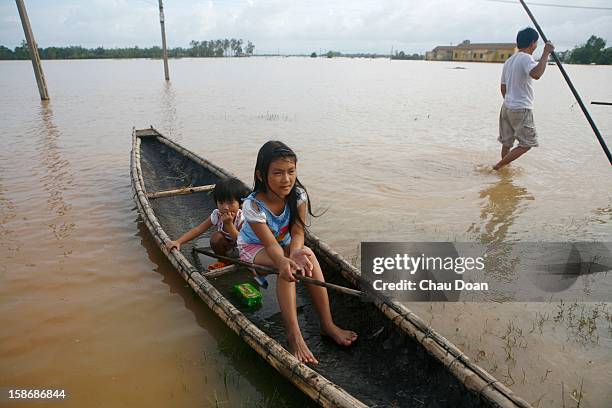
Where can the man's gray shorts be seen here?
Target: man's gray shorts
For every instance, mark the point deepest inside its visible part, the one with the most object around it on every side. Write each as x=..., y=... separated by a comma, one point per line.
x=517, y=124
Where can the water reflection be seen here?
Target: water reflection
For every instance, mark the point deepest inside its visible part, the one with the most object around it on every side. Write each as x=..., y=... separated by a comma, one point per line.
x=501, y=207
x=168, y=111
x=8, y=242
x=502, y=204
x=56, y=177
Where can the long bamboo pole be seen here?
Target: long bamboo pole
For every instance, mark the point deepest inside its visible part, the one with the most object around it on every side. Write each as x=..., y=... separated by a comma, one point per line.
x=163, y=33
x=569, y=83
x=274, y=271
x=180, y=191
x=29, y=34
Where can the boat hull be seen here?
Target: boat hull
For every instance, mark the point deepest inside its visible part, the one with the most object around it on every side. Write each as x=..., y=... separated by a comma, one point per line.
x=398, y=359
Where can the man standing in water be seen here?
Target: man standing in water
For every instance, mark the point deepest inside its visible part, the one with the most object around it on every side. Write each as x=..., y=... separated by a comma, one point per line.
x=516, y=116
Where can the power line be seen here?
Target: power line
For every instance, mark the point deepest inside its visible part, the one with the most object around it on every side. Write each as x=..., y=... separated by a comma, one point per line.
x=555, y=5
x=149, y=2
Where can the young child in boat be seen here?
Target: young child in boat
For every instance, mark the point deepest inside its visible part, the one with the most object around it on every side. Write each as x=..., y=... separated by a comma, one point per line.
x=227, y=218
x=273, y=234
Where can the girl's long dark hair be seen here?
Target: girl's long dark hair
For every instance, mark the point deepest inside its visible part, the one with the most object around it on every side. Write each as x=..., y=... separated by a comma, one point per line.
x=270, y=151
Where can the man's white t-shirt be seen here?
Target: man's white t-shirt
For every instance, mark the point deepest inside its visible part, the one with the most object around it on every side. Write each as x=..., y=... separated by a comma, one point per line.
x=519, y=84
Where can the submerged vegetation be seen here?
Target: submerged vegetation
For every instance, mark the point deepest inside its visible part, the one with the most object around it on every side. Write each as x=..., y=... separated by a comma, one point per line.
x=335, y=54
x=211, y=48
x=523, y=348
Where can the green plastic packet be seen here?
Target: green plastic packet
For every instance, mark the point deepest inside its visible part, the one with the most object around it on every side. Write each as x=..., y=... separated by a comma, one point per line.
x=248, y=294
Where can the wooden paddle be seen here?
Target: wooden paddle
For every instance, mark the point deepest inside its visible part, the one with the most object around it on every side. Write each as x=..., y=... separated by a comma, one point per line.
x=274, y=271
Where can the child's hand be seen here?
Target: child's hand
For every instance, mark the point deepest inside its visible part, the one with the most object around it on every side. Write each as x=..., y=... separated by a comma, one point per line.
x=286, y=267
x=303, y=258
x=226, y=216
x=173, y=244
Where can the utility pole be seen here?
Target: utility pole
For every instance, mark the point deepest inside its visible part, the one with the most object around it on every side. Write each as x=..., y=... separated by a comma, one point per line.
x=38, y=72
x=163, y=32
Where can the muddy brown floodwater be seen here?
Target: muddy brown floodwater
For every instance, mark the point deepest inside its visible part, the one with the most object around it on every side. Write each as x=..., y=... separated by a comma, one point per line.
x=391, y=149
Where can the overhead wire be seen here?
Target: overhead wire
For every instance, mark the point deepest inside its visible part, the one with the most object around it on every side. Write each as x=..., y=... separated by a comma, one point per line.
x=555, y=5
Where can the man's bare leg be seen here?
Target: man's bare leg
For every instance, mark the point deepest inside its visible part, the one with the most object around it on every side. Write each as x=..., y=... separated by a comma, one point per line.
x=511, y=156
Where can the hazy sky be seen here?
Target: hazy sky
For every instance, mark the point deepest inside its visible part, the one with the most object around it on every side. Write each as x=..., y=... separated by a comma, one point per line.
x=301, y=26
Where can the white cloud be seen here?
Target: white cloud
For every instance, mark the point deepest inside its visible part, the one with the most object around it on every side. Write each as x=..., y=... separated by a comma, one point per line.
x=299, y=25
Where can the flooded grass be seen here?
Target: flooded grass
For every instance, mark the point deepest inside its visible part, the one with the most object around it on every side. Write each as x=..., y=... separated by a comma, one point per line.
x=275, y=117
x=581, y=320
x=521, y=348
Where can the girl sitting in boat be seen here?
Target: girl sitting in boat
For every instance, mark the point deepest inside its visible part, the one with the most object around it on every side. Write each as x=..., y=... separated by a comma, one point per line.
x=227, y=217
x=273, y=235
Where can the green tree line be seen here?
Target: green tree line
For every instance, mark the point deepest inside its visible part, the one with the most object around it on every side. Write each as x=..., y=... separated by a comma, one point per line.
x=403, y=56
x=594, y=51
x=334, y=54
x=211, y=48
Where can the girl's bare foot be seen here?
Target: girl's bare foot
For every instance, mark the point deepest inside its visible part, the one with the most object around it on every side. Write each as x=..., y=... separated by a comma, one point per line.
x=340, y=336
x=298, y=347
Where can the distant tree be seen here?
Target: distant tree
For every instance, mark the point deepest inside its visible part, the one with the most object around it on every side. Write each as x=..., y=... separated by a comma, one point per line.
x=6, y=53
x=401, y=55
x=313, y=55
x=331, y=54
x=593, y=51
x=606, y=57
x=194, y=48
x=250, y=48
x=99, y=52
x=218, y=50
x=563, y=55
x=239, y=47
x=154, y=52
x=206, y=49
x=22, y=52
x=49, y=53
x=210, y=48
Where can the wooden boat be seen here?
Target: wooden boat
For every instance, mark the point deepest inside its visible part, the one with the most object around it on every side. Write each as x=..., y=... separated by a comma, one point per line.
x=397, y=361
